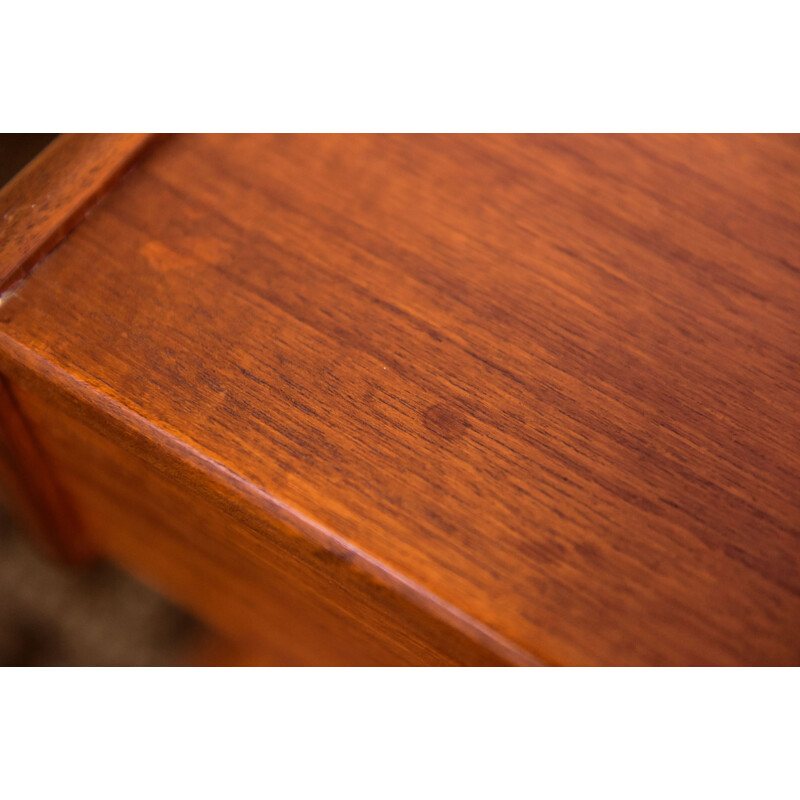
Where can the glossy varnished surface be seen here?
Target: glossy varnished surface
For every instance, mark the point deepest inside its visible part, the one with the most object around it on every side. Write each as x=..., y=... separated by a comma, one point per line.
x=549, y=383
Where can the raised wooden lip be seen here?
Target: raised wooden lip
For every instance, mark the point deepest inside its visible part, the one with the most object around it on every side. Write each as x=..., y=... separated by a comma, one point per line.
x=42, y=203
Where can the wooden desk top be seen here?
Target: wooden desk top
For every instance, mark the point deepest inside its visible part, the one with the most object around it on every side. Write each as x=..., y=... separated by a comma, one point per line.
x=545, y=386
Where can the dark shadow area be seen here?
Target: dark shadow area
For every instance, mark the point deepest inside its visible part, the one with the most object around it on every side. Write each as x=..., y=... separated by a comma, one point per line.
x=17, y=149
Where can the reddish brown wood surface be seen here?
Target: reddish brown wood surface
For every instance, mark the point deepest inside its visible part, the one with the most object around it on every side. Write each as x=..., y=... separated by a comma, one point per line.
x=540, y=392
x=34, y=487
x=44, y=201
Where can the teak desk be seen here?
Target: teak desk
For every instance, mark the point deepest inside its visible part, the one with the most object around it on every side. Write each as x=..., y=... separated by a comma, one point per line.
x=419, y=399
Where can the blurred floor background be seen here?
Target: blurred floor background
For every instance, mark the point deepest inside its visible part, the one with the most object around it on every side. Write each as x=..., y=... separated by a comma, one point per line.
x=53, y=615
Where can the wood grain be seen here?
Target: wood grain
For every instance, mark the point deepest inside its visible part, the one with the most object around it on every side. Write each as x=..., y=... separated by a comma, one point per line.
x=47, y=199
x=542, y=390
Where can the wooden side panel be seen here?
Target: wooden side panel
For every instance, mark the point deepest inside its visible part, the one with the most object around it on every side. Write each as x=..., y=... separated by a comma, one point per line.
x=243, y=577
x=32, y=487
